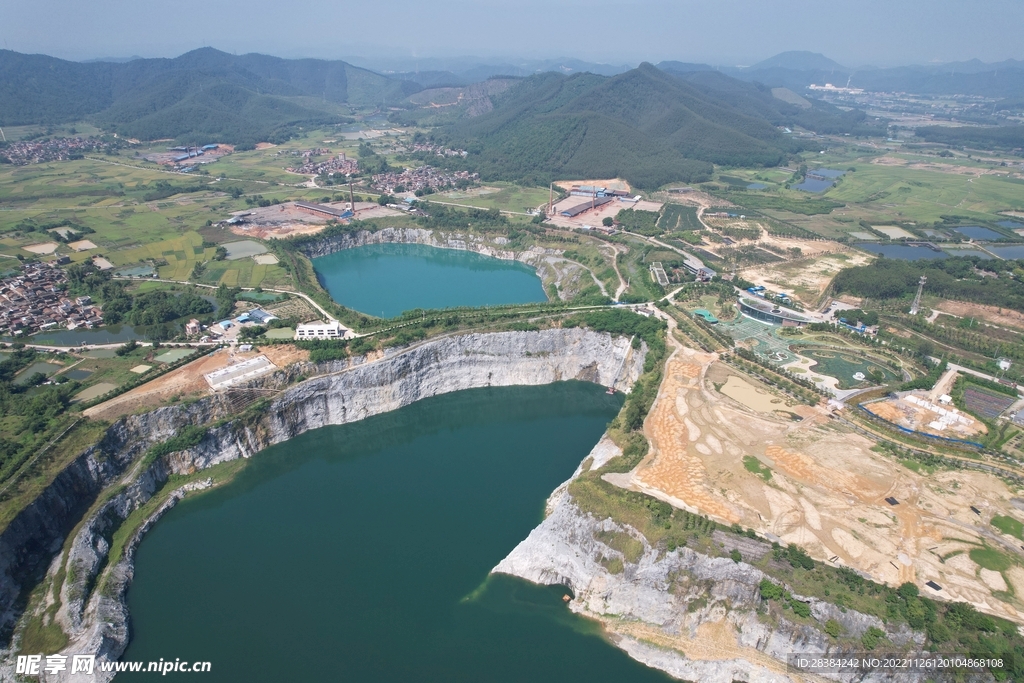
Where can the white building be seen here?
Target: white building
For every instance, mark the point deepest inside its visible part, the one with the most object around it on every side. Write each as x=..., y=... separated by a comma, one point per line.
x=319, y=330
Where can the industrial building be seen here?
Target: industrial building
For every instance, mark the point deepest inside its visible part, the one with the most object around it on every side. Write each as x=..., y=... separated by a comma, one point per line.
x=585, y=205
x=319, y=330
x=321, y=210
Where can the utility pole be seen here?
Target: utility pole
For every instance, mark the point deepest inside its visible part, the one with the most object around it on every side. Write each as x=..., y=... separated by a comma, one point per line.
x=916, y=306
x=351, y=199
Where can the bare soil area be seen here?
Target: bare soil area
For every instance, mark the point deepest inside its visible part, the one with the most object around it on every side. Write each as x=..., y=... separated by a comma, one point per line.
x=805, y=279
x=997, y=316
x=610, y=183
x=187, y=381
x=827, y=489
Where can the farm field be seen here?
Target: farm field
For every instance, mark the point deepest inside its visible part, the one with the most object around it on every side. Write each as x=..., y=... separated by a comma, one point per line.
x=502, y=196
x=890, y=187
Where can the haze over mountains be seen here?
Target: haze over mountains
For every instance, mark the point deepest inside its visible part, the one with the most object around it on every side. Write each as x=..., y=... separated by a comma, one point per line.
x=651, y=124
x=242, y=99
x=647, y=125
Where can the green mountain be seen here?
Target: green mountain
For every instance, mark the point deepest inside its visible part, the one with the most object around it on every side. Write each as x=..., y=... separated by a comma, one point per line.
x=644, y=125
x=760, y=101
x=201, y=95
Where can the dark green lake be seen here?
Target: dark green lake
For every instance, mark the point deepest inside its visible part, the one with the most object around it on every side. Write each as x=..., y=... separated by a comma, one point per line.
x=362, y=552
x=387, y=279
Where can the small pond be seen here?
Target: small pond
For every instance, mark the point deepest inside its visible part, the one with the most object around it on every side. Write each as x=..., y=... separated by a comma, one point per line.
x=901, y=251
x=976, y=232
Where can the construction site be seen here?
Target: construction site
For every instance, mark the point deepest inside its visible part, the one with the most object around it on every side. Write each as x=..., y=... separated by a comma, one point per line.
x=300, y=218
x=728, y=446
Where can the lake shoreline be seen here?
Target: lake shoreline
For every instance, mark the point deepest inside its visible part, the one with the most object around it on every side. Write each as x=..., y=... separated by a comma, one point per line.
x=565, y=275
x=92, y=608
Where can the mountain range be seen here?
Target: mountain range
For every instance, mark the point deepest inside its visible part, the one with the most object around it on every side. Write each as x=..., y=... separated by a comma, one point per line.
x=648, y=125
x=202, y=95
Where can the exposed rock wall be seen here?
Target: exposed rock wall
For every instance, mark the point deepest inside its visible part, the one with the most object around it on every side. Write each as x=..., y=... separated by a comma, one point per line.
x=657, y=605
x=568, y=276
x=348, y=391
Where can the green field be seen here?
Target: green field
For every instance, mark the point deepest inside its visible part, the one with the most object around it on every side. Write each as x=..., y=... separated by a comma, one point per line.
x=883, y=193
x=502, y=196
x=676, y=217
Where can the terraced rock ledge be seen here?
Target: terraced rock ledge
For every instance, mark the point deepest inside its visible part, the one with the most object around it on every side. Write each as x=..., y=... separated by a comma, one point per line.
x=123, y=476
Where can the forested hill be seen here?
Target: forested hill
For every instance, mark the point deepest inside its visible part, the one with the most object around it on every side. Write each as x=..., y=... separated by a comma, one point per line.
x=206, y=94
x=761, y=101
x=644, y=125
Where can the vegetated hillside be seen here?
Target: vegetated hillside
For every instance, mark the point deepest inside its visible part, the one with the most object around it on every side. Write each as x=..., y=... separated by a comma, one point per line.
x=953, y=278
x=1003, y=137
x=643, y=125
x=797, y=70
x=205, y=94
x=800, y=60
x=758, y=101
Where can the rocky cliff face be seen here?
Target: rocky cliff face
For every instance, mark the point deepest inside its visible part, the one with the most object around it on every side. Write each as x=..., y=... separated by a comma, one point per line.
x=568, y=276
x=92, y=609
x=698, y=618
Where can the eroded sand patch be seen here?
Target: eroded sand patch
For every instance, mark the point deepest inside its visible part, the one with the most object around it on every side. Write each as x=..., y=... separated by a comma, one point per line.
x=828, y=490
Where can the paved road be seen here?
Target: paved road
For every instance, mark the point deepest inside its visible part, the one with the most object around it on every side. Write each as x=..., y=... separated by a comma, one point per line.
x=308, y=299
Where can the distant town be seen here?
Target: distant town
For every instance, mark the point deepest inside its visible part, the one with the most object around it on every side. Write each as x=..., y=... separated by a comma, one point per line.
x=27, y=152
x=422, y=178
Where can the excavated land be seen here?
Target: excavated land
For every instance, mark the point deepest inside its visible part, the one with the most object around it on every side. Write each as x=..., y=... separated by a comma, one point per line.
x=807, y=278
x=188, y=381
x=826, y=490
x=287, y=220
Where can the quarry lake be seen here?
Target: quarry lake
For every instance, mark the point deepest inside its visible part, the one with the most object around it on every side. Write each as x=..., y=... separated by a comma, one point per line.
x=387, y=279
x=362, y=552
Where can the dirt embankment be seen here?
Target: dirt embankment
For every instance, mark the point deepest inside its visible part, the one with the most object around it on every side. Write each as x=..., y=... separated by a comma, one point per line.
x=188, y=381
x=820, y=486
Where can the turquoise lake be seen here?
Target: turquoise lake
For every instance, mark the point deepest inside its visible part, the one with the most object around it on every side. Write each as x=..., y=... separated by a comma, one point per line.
x=361, y=552
x=387, y=279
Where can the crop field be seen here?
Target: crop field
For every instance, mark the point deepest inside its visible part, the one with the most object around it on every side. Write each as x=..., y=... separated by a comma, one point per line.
x=924, y=195
x=883, y=189
x=985, y=403
x=182, y=253
x=503, y=196
x=676, y=217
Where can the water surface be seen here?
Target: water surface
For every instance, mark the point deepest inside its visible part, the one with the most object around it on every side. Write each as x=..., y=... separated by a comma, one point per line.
x=108, y=334
x=1008, y=252
x=901, y=251
x=976, y=232
x=357, y=553
x=387, y=279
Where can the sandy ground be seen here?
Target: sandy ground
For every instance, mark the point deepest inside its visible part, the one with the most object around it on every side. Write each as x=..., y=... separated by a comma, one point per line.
x=284, y=220
x=186, y=381
x=1004, y=317
x=806, y=279
x=828, y=488
x=911, y=416
x=41, y=248
x=930, y=166
x=592, y=217
x=611, y=184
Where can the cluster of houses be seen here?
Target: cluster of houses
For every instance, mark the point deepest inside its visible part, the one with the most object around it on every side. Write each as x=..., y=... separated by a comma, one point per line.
x=422, y=178
x=438, y=150
x=34, y=300
x=339, y=165
x=55, y=149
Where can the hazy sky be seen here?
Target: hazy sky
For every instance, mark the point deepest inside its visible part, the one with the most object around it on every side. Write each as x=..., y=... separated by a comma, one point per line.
x=727, y=32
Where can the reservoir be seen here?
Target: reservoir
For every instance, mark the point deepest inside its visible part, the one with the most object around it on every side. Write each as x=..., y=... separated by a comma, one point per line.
x=901, y=251
x=387, y=279
x=362, y=552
